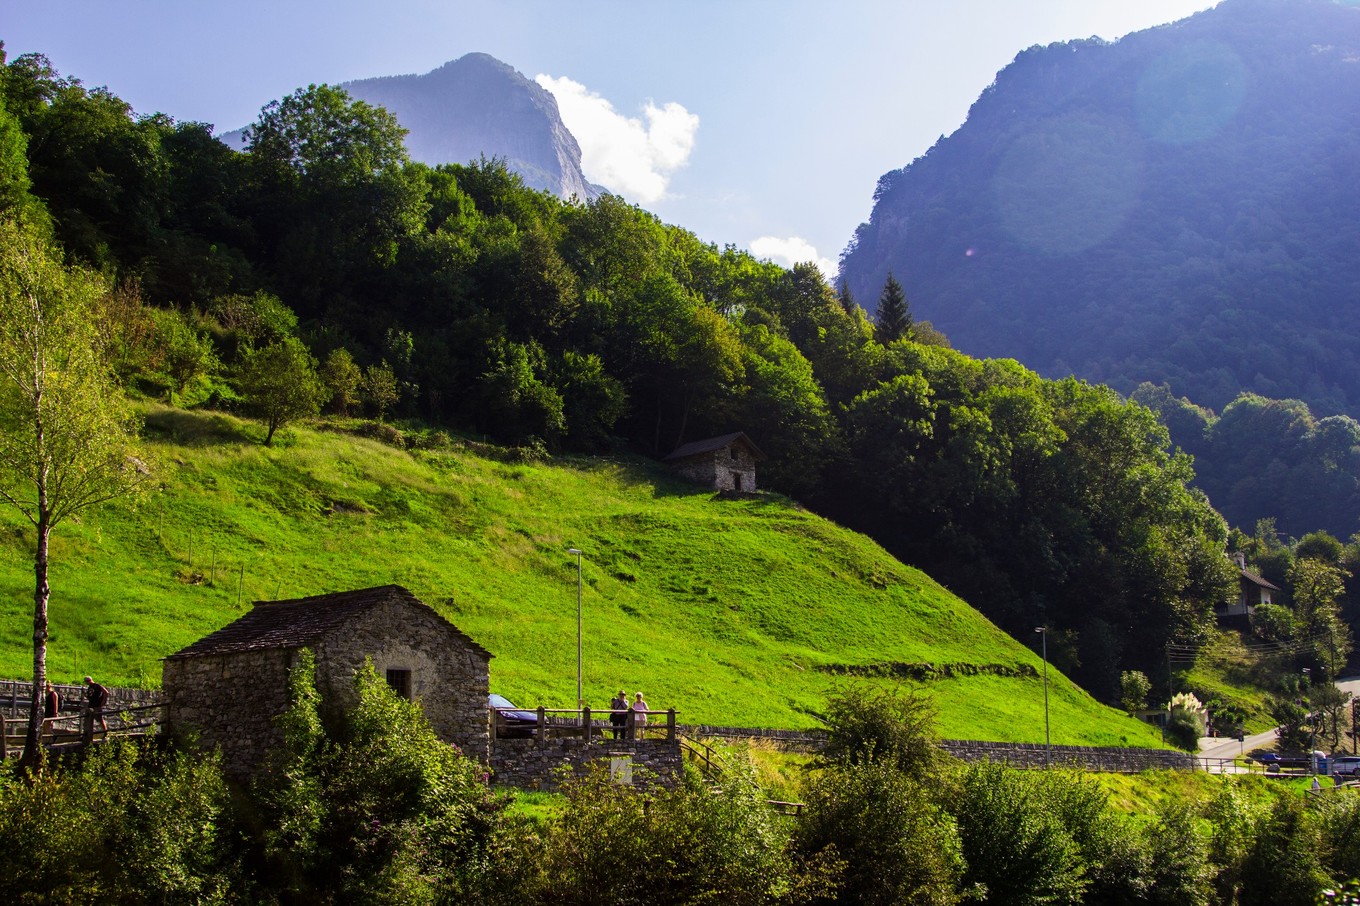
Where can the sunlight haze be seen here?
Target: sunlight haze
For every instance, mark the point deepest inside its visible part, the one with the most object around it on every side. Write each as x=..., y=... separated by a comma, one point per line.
x=765, y=125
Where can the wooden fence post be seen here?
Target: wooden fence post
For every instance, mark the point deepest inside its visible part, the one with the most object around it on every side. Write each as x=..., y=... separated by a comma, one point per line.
x=670, y=725
x=542, y=724
x=585, y=722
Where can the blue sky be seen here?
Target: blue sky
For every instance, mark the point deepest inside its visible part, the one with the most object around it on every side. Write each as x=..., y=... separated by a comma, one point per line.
x=749, y=122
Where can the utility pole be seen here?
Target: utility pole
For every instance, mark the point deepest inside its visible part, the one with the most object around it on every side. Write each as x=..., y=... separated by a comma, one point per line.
x=1048, y=741
x=580, y=697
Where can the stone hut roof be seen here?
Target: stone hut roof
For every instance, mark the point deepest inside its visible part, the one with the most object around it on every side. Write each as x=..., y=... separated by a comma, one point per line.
x=700, y=447
x=1257, y=580
x=304, y=621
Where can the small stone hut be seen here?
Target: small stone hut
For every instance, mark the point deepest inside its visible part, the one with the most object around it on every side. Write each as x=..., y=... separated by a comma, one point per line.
x=229, y=687
x=726, y=463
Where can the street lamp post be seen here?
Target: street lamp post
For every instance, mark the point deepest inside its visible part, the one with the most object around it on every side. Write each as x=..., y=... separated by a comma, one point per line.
x=1048, y=742
x=580, y=698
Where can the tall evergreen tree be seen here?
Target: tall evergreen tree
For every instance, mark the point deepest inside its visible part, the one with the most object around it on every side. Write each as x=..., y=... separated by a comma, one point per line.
x=846, y=298
x=893, y=320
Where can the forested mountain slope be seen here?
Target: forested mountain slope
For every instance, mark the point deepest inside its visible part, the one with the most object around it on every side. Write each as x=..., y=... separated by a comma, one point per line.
x=1179, y=206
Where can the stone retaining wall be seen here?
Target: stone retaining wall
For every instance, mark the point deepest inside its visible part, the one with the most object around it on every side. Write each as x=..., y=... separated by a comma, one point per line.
x=1088, y=758
x=1015, y=754
x=788, y=740
x=529, y=764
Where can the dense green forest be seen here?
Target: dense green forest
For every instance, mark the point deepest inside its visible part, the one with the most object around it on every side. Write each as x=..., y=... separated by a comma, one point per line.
x=1269, y=459
x=321, y=267
x=1177, y=207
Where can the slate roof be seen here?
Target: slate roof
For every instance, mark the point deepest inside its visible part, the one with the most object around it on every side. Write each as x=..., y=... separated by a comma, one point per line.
x=714, y=443
x=304, y=621
x=1257, y=580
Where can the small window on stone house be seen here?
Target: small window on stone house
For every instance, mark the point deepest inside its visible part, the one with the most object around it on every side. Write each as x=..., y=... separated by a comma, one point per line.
x=400, y=681
x=735, y=454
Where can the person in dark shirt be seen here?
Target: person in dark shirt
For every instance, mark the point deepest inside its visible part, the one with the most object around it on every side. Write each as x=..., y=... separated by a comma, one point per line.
x=96, y=697
x=618, y=712
x=51, y=708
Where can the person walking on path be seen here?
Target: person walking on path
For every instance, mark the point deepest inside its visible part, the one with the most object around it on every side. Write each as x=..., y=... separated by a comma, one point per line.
x=96, y=697
x=639, y=714
x=618, y=713
x=51, y=707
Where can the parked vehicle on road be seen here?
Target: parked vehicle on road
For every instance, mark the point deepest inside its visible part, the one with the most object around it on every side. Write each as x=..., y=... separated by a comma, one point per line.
x=511, y=721
x=1347, y=765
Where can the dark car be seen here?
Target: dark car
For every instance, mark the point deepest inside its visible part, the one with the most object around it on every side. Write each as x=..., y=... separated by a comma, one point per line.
x=512, y=722
x=1271, y=760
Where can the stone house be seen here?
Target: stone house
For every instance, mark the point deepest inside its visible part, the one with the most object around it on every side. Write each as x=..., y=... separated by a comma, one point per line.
x=1252, y=590
x=228, y=687
x=726, y=463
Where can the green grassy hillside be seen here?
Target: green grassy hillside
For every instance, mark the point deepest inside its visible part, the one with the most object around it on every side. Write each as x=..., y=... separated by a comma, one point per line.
x=724, y=609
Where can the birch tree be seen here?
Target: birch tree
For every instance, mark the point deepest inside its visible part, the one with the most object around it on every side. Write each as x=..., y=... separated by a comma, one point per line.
x=66, y=430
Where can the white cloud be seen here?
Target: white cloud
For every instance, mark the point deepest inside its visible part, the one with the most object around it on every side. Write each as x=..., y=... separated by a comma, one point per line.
x=791, y=251
x=624, y=154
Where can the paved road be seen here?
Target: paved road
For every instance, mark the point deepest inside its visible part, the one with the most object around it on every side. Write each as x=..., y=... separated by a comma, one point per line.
x=1231, y=748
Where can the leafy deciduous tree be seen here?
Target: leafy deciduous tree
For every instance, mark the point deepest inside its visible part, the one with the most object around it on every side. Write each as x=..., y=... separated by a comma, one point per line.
x=280, y=384
x=66, y=431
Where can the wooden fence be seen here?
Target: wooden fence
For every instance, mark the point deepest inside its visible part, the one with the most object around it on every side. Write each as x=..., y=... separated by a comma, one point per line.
x=559, y=723
x=76, y=730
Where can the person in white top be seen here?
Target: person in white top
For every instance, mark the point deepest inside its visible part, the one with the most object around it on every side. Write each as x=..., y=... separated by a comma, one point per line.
x=639, y=712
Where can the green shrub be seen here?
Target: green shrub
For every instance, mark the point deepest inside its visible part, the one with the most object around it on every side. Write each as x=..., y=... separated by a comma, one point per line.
x=614, y=844
x=893, y=842
x=1111, y=850
x=1016, y=847
x=375, y=808
x=875, y=723
x=1339, y=826
x=127, y=824
x=1184, y=729
x=1178, y=869
x=1134, y=687
x=1282, y=866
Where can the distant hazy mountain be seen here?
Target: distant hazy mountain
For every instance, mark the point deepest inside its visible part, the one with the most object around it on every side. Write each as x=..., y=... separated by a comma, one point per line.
x=1180, y=206
x=474, y=106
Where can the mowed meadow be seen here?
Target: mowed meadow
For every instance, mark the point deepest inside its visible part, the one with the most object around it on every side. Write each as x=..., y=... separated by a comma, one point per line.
x=734, y=611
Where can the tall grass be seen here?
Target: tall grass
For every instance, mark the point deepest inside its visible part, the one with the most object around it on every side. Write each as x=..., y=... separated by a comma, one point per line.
x=724, y=609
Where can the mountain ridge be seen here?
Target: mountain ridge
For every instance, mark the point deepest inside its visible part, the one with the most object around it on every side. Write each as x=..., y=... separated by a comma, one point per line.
x=478, y=106
x=1174, y=207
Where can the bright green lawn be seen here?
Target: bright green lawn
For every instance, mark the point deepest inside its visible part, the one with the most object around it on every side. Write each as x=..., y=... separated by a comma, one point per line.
x=720, y=608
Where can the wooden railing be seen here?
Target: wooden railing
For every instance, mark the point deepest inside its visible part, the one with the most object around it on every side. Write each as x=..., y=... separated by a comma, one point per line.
x=713, y=765
x=68, y=731
x=558, y=723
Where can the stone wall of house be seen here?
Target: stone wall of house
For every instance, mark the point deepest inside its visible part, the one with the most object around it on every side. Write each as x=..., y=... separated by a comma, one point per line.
x=449, y=678
x=229, y=702
x=721, y=468
x=529, y=764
